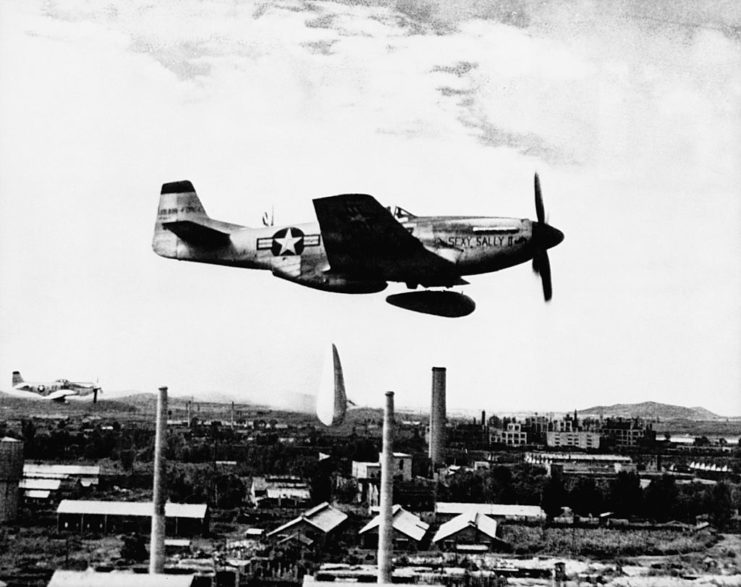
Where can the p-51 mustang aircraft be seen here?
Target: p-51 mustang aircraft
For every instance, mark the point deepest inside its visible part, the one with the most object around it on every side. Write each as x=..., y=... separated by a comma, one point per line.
x=358, y=246
x=59, y=390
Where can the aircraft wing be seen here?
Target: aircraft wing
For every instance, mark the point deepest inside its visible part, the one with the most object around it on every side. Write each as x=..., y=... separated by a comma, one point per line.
x=60, y=395
x=362, y=237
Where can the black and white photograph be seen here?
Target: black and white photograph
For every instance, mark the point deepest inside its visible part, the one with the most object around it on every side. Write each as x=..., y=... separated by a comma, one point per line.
x=442, y=292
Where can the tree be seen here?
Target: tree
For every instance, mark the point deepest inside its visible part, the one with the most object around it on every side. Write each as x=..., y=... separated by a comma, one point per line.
x=466, y=486
x=625, y=494
x=321, y=483
x=720, y=505
x=554, y=496
x=661, y=499
x=127, y=457
x=134, y=548
x=498, y=485
x=585, y=498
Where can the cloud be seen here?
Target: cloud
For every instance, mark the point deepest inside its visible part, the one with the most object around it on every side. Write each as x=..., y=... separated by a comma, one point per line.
x=447, y=107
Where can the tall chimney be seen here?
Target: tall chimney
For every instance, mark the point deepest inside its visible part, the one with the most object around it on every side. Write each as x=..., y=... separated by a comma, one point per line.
x=232, y=415
x=437, y=416
x=483, y=417
x=157, y=544
x=385, y=527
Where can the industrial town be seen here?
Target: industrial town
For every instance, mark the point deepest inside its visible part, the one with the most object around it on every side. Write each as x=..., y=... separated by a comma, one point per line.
x=225, y=495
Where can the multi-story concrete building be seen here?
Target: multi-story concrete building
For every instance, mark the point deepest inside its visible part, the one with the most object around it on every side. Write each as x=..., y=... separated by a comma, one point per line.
x=512, y=435
x=627, y=432
x=584, y=440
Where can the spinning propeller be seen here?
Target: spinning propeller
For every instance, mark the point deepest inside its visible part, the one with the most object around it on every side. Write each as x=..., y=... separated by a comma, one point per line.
x=544, y=237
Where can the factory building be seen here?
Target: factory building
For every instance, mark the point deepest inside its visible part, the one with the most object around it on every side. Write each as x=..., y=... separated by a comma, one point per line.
x=469, y=532
x=314, y=525
x=409, y=531
x=40, y=491
x=363, y=470
x=280, y=491
x=70, y=475
x=446, y=510
x=62, y=578
x=11, y=471
x=107, y=517
x=46, y=482
x=581, y=464
x=402, y=468
x=368, y=476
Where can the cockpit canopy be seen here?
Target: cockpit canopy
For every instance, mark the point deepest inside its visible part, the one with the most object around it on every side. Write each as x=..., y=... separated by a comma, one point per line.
x=399, y=213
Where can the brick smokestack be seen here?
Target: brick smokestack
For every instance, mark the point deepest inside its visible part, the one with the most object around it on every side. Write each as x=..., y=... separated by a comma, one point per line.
x=437, y=417
x=385, y=527
x=157, y=544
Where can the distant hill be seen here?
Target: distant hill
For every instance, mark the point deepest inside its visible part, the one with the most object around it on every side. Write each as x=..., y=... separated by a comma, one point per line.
x=652, y=410
x=214, y=401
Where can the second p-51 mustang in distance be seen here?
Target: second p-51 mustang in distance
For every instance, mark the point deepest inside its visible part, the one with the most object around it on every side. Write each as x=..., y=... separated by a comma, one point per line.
x=358, y=246
x=59, y=390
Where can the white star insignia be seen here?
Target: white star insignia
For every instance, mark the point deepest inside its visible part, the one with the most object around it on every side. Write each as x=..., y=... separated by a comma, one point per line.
x=288, y=243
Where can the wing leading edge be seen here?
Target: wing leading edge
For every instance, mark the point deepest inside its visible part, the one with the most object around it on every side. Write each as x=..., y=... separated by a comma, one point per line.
x=362, y=237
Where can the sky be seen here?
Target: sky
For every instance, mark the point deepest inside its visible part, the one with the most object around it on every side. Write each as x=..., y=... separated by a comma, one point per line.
x=629, y=111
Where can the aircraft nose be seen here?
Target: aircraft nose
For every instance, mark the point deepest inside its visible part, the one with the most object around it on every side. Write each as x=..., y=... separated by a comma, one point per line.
x=547, y=236
x=554, y=236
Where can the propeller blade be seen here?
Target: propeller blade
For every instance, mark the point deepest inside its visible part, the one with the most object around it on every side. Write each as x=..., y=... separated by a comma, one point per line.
x=539, y=208
x=544, y=268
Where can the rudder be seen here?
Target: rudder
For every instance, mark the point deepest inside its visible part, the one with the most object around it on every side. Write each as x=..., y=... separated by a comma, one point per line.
x=178, y=203
x=17, y=379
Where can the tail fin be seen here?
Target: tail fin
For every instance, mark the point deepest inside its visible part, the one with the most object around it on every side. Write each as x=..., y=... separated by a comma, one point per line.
x=181, y=217
x=17, y=379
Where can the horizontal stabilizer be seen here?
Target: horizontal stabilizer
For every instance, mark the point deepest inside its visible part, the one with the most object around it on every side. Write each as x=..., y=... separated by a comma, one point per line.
x=198, y=234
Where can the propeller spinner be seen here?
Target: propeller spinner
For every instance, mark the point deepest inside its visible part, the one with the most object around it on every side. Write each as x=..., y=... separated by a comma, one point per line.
x=544, y=237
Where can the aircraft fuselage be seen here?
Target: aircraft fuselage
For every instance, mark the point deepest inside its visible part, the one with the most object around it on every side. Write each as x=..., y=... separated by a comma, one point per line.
x=356, y=245
x=474, y=245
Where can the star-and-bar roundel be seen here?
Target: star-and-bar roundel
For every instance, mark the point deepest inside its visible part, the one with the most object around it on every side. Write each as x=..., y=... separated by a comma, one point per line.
x=288, y=241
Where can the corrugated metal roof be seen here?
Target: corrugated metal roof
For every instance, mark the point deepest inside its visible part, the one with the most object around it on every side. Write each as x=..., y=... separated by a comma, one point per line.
x=290, y=492
x=490, y=509
x=117, y=579
x=131, y=508
x=323, y=517
x=481, y=522
x=45, y=484
x=45, y=469
x=403, y=521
